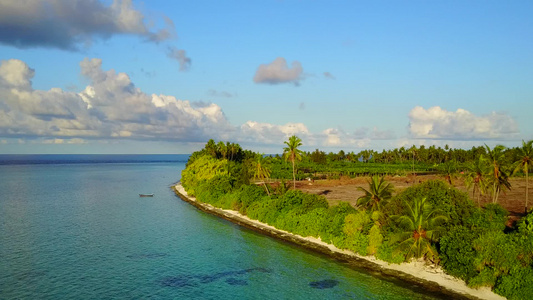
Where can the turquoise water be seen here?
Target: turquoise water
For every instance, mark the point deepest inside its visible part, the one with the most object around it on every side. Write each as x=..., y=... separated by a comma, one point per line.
x=80, y=231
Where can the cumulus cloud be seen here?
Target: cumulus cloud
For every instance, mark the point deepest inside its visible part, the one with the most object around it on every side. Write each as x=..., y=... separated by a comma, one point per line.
x=69, y=24
x=328, y=75
x=279, y=72
x=337, y=137
x=266, y=133
x=438, y=123
x=110, y=107
x=181, y=56
x=382, y=134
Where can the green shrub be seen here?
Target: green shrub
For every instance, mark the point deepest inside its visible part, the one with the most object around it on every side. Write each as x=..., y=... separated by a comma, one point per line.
x=497, y=254
x=525, y=225
x=453, y=203
x=457, y=253
x=210, y=191
x=258, y=209
x=388, y=253
x=202, y=168
x=357, y=243
x=247, y=195
x=490, y=218
x=355, y=222
x=333, y=223
x=375, y=239
x=518, y=284
x=310, y=223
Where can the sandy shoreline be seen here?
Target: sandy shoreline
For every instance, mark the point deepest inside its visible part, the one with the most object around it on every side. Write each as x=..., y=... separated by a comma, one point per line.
x=417, y=272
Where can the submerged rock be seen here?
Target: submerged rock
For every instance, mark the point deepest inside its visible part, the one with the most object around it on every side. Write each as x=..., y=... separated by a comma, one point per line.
x=234, y=281
x=323, y=284
x=189, y=280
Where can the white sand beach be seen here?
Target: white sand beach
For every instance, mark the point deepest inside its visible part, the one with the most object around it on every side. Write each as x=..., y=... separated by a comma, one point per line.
x=416, y=269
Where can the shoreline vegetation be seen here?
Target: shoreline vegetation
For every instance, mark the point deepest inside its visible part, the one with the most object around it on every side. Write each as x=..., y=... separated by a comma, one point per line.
x=415, y=272
x=463, y=241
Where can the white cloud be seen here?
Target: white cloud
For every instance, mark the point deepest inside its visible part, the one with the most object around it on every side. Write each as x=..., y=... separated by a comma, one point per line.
x=16, y=73
x=76, y=141
x=110, y=107
x=437, y=123
x=53, y=141
x=69, y=24
x=338, y=138
x=266, y=133
x=279, y=72
x=382, y=134
x=334, y=137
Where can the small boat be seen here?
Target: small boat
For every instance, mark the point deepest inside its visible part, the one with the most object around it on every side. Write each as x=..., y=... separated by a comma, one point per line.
x=146, y=195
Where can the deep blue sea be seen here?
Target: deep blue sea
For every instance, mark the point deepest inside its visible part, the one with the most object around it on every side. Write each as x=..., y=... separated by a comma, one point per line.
x=74, y=227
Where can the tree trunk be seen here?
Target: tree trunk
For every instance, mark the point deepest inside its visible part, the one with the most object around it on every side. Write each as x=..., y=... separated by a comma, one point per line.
x=527, y=186
x=293, y=176
x=266, y=188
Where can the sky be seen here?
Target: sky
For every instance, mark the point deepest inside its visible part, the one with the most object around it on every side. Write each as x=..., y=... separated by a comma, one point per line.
x=134, y=77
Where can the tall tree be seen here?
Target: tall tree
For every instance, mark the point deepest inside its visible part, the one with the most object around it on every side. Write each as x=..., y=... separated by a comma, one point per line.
x=421, y=225
x=499, y=176
x=524, y=163
x=378, y=192
x=211, y=148
x=261, y=169
x=222, y=149
x=292, y=153
x=475, y=177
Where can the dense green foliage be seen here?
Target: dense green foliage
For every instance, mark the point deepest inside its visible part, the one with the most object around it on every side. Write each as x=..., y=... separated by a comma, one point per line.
x=431, y=220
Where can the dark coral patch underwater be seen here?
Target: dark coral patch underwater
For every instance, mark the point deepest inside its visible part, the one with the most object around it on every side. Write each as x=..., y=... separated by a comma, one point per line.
x=234, y=281
x=323, y=284
x=189, y=280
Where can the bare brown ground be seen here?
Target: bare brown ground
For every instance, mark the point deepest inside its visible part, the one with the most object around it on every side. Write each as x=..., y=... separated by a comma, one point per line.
x=345, y=189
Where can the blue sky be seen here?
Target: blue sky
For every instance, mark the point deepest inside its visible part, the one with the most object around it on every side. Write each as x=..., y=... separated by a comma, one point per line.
x=166, y=76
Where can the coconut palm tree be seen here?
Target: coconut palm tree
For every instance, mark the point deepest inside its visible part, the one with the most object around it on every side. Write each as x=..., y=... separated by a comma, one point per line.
x=524, y=163
x=475, y=177
x=378, y=192
x=211, y=148
x=222, y=149
x=421, y=225
x=499, y=177
x=292, y=153
x=261, y=169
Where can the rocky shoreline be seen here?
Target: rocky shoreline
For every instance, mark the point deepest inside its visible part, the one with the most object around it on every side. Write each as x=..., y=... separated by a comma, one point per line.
x=417, y=273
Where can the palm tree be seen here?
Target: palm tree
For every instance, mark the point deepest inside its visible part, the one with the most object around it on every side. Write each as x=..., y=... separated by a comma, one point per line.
x=378, y=192
x=222, y=149
x=211, y=148
x=524, y=163
x=450, y=170
x=261, y=170
x=499, y=177
x=292, y=153
x=475, y=176
x=421, y=225
x=413, y=152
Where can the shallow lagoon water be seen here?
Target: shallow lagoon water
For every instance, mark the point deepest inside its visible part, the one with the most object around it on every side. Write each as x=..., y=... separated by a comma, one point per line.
x=80, y=230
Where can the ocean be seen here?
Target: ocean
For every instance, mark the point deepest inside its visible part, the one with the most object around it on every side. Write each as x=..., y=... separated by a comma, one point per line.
x=74, y=227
